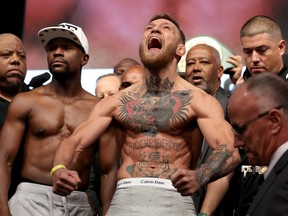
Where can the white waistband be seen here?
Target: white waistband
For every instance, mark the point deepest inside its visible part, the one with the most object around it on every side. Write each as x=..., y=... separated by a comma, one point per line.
x=155, y=182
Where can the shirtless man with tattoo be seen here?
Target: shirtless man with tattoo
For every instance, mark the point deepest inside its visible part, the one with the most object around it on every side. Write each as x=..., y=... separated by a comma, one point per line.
x=162, y=120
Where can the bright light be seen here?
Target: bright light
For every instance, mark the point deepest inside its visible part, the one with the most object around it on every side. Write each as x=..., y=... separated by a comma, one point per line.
x=88, y=79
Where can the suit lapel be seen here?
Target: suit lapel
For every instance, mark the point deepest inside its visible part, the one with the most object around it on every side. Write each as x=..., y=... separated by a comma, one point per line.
x=268, y=182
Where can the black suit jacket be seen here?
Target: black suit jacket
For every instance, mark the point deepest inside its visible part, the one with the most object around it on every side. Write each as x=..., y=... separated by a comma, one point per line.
x=272, y=196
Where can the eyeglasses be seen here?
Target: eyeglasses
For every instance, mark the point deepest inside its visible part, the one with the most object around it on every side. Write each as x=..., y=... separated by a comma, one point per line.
x=240, y=129
x=125, y=85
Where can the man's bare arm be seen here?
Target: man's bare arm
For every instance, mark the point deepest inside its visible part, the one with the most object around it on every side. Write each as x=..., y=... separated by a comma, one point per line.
x=10, y=139
x=218, y=134
x=215, y=193
x=84, y=136
x=109, y=164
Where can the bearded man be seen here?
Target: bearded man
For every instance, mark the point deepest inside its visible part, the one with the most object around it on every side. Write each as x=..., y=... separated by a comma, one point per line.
x=163, y=119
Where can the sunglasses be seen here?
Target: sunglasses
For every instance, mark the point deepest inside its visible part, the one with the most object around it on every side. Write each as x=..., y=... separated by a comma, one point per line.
x=240, y=129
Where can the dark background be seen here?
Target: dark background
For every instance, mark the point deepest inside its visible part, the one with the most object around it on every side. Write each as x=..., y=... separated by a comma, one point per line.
x=12, y=17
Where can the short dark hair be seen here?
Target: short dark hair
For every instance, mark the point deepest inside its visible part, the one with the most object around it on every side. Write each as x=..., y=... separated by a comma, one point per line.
x=168, y=16
x=260, y=24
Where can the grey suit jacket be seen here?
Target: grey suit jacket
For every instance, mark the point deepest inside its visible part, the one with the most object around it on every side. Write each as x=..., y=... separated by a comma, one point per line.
x=272, y=196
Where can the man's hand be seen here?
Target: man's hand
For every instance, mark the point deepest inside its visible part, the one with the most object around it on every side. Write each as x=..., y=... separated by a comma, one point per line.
x=65, y=181
x=235, y=73
x=185, y=182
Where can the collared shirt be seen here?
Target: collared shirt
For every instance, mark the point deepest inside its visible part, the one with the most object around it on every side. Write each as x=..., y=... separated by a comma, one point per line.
x=275, y=157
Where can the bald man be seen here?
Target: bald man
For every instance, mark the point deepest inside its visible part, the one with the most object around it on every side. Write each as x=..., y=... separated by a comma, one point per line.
x=132, y=75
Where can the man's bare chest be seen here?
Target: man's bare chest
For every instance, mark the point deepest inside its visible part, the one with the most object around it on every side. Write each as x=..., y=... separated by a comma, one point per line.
x=156, y=111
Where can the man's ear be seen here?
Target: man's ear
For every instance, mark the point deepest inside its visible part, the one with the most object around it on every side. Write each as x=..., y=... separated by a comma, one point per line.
x=181, y=50
x=220, y=71
x=85, y=59
x=275, y=118
x=282, y=46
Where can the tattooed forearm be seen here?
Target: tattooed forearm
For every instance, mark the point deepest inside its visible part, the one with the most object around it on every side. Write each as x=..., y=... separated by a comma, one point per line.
x=215, y=166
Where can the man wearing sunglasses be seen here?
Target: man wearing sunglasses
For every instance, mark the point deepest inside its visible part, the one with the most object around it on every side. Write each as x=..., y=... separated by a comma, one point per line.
x=260, y=128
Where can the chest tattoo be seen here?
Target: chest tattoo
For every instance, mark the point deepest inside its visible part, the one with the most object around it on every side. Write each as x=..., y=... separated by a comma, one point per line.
x=155, y=110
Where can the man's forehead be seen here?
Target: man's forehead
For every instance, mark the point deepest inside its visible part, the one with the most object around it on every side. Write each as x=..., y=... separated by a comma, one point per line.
x=162, y=20
x=257, y=39
x=241, y=95
x=62, y=41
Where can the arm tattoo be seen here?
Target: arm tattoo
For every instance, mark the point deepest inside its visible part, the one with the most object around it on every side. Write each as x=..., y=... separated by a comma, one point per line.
x=215, y=165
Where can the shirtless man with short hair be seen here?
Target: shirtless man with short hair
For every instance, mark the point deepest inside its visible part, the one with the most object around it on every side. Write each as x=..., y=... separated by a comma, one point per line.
x=39, y=120
x=162, y=118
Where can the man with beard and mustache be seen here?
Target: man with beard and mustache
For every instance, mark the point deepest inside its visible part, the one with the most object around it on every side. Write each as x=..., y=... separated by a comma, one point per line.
x=162, y=119
x=43, y=117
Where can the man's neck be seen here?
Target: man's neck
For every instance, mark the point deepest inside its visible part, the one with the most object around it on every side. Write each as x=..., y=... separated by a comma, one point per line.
x=155, y=83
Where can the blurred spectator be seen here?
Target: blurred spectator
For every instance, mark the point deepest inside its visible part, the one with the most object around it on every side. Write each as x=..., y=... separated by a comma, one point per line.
x=106, y=85
x=123, y=65
x=132, y=75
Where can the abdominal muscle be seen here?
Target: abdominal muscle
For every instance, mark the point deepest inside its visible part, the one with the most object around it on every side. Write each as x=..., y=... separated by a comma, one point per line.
x=157, y=157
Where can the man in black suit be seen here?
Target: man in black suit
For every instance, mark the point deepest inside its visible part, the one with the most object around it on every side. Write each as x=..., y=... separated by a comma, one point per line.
x=260, y=128
x=204, y=70
x=263, y=51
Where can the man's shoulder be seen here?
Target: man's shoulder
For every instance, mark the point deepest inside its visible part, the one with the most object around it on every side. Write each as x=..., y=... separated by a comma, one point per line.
x=87, y=96
x=223, y=92
x=284, y=73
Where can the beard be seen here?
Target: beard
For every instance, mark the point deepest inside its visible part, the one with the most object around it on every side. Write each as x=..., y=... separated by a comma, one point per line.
x=13, y=82
x=158, y=60
x=13, y=87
